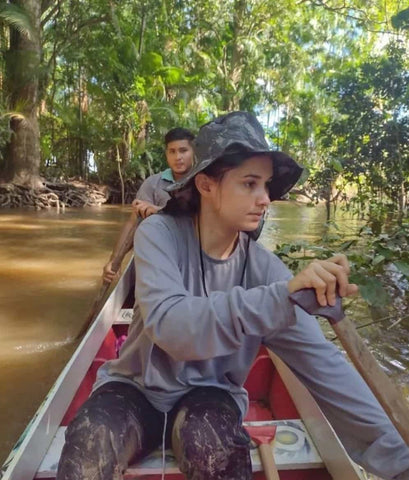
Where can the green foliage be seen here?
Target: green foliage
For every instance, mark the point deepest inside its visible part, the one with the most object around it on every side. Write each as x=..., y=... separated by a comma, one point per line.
x=4, y=129
x=370, y=132
x=403, y=267
x=377, y=261
x=12, y=17
x=16, y=17
x=401, y=20
x=117, y=75
x=371, y=289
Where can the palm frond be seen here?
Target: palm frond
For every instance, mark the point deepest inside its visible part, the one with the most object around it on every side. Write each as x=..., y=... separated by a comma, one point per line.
x=16, y=17
x=15, y=116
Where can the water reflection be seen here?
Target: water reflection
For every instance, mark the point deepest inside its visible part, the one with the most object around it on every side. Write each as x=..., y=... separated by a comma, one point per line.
x=290, y=222
x=50, y=268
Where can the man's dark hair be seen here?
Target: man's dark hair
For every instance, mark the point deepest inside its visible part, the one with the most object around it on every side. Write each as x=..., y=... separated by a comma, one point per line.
x=179, y=133
x=188, y=202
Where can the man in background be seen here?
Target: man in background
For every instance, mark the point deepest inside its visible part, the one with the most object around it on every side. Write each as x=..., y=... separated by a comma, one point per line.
x=151, y=196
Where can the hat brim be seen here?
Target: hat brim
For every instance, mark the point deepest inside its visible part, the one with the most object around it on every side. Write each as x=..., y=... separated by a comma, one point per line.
x=286, y=173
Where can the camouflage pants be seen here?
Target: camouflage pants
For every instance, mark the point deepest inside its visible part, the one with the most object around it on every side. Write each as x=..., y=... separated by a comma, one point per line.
x=117, y=426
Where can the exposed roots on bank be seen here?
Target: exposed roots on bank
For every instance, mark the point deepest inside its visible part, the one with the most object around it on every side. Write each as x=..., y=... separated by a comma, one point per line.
x=52, y=195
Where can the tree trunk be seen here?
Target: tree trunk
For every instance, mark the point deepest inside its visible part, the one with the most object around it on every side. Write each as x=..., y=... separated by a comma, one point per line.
x=234, y=68
x=22, y=61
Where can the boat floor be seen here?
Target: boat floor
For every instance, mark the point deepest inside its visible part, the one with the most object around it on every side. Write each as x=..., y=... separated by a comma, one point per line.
x=294, y=451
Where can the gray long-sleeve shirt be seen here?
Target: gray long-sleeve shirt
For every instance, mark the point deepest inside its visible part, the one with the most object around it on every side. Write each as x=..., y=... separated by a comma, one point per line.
x=153, y=189
x=180, y=339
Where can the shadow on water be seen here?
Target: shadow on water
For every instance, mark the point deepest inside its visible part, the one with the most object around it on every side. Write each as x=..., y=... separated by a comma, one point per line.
x=50, y=268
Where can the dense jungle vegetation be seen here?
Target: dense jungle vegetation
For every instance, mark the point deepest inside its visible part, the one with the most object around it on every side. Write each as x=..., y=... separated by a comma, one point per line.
x=88, y=89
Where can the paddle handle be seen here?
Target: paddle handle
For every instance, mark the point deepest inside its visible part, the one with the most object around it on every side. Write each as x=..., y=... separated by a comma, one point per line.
x=268, y=462
x=381, y=385
x=120, y=252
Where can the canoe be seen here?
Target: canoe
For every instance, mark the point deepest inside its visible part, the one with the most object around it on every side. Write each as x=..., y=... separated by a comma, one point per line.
x=305, y=445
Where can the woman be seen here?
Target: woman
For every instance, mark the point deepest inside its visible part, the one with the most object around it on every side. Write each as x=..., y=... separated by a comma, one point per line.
x=207, y=297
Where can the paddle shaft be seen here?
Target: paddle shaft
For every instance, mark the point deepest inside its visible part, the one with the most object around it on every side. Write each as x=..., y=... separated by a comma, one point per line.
x=263, y=436
x=383, y=388
x=122, y=249
x=381, y=385
x=267, y=460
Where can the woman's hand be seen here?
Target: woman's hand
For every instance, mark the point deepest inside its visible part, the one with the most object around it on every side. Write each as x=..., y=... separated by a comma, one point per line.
x=144, y=209
x=327, y=277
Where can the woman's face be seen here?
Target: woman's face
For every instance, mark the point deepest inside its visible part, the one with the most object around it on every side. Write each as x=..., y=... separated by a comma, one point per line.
x=241, y=198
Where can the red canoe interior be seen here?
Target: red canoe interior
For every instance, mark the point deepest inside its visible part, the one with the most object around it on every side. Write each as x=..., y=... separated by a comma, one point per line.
x=269, y=399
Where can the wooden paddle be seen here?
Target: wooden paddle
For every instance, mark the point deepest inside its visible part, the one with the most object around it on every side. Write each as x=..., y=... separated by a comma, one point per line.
x=381, y=385
x=126, y=242
x=263, y=436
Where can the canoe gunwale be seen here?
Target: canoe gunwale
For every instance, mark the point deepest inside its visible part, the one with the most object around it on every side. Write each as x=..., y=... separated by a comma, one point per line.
x=331, y=450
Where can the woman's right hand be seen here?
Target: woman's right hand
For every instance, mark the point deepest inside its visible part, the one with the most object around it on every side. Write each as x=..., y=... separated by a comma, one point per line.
x=327, y=277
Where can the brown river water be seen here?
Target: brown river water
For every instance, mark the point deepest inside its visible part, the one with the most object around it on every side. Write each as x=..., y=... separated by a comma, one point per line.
x=50, y=267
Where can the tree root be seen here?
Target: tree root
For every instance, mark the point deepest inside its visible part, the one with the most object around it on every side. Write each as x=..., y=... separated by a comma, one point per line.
x=52, y=195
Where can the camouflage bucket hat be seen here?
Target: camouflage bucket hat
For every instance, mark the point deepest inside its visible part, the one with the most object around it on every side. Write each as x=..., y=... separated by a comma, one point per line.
x=239, y=133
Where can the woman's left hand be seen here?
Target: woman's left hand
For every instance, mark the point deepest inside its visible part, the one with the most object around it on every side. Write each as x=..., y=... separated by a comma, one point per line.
x=327, y=277
x=144, y=209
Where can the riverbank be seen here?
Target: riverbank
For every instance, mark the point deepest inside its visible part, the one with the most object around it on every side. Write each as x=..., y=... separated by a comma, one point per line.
x=76, y=193
x=53, y=195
